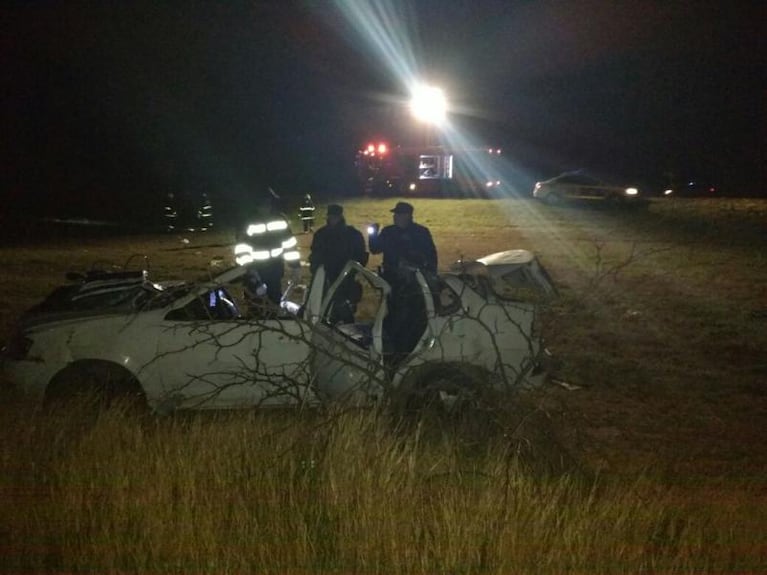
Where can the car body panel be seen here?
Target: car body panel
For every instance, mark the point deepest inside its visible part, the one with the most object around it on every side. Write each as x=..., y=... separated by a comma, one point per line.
x=231, y=364
x=581, y=186
x=197, y=351
x=349, y=357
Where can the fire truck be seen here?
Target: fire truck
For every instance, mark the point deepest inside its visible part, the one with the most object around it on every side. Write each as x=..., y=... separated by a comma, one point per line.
x=429, y=170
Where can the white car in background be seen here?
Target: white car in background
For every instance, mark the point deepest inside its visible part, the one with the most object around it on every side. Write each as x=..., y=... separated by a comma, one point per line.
x=579, y=185
x=201, y=346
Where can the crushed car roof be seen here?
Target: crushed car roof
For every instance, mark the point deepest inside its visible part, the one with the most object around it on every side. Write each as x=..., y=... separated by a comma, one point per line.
x=500, y=266
x=497, y=264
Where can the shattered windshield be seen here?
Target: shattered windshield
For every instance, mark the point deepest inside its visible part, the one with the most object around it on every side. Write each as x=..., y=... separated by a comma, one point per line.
x=162, y=298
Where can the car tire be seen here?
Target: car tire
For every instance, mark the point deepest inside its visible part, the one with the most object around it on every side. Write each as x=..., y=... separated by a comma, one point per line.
x=96, y=385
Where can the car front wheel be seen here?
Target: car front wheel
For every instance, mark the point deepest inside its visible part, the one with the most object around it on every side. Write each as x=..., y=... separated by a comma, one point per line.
x=445, y=392
x=95, y=385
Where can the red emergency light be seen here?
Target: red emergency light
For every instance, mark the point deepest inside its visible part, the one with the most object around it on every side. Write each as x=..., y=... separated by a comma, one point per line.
x=373, y=149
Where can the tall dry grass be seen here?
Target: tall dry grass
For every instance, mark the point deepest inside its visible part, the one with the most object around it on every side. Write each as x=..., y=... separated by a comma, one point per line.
x=350, y=492
x=336, y=492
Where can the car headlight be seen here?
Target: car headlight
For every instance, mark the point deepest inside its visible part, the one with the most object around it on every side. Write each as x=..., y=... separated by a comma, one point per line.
x=632, y=191
x=668, y=192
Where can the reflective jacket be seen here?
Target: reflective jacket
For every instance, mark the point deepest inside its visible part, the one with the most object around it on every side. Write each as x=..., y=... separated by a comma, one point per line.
x=266, y=239
x=306, y=211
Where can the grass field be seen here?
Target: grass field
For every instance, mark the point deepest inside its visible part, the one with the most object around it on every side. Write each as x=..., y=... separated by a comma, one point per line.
x=652, y=461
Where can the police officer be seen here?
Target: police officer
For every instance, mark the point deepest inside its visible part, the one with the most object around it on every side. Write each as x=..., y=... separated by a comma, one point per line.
x=333, y=245
x=404, y=243
x=336, y=243
x=406, y=246
x=265, y=245
x=306, y=213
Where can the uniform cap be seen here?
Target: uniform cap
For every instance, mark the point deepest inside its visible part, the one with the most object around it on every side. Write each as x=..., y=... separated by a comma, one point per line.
x=402, y=208
x=335, y=210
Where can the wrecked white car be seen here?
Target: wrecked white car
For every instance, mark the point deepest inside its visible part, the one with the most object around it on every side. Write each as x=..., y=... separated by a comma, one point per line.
x=201, y=346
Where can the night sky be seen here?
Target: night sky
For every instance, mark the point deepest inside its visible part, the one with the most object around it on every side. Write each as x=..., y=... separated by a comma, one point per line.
x=108, y=106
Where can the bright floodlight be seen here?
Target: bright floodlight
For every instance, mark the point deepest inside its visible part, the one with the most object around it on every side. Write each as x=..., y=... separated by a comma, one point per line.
x=428, y=104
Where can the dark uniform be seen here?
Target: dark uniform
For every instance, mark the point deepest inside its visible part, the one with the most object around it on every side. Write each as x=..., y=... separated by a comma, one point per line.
x=406, y=246
x=265, y=244
x=335, y=244
x=332, y=246
x=306, y=213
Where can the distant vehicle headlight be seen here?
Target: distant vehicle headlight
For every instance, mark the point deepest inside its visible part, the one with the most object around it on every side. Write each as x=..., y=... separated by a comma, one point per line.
x=631, y=191
x=668, y=192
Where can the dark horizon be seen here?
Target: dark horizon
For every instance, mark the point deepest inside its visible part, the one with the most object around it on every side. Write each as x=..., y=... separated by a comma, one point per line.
x=107, y=108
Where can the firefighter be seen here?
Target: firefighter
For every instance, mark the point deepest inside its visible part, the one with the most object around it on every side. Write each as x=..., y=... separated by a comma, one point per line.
x=306, y=213
x=333, y=245
x=265, y=244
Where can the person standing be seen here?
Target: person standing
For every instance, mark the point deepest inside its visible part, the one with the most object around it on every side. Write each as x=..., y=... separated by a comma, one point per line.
x=336, y=243
x=265, y=244
x=306, y=213
x=406, y=246
x=404, y=243
x=333, y=245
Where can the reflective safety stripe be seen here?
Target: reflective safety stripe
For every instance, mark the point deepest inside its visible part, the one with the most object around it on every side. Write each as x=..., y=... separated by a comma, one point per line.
x=242, y=248
x=243, y=259
x=255, y=229
x=275, y=252
x=292, y=256
x=243, y=254
x=277, y=225
x=261, y=255
x=289, y=243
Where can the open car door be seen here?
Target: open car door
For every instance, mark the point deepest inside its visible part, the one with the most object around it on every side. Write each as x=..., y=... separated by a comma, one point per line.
x=347, y=334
